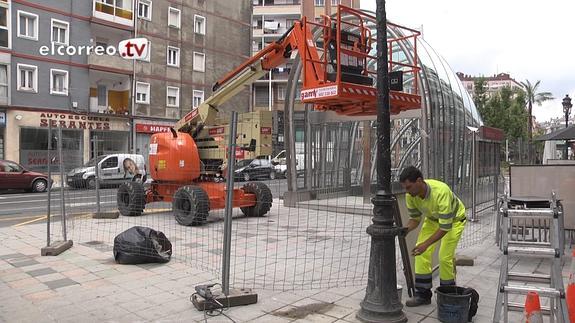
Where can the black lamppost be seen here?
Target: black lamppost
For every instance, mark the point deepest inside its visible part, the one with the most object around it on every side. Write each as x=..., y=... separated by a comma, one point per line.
x=567, y=110
x=381, y=302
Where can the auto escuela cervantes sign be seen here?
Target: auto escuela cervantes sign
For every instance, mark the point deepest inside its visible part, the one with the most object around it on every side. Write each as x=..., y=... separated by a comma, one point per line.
x=74, y=121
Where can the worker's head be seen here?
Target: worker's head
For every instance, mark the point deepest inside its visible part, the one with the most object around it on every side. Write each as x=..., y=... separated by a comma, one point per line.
x=412, y=181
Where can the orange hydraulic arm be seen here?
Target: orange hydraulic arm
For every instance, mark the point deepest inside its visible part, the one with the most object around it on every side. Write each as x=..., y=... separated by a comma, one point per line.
x=338, y=76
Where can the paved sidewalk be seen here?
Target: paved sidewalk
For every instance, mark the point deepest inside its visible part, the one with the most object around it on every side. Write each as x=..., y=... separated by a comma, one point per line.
x=84, y=284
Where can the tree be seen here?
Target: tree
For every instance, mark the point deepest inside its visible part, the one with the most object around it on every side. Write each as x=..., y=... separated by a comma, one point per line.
x=531, y=97
x=505, y=110
x=480, y=93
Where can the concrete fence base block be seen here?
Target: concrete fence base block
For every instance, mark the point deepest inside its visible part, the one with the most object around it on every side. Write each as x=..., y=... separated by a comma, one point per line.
x=56, y=248
x=237, y=297
x=463, y=261
x=106, y=215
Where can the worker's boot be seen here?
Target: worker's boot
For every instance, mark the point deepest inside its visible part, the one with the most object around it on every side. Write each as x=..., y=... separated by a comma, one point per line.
x=418, y=301
x=422, y=297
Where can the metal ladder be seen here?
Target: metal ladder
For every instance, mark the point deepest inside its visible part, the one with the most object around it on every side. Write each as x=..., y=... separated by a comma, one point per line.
x=550, y=249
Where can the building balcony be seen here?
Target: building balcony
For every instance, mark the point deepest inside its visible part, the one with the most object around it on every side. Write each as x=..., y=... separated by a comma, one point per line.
x=269, y=32
x=276, y=2
x=110, y=93
x=110, y=63
x=279, y=9
x=115, y=11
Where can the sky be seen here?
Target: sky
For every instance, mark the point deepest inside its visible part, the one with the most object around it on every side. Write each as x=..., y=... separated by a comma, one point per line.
x=528, y=39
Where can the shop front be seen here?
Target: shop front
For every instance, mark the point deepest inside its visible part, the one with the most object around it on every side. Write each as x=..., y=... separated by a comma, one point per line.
x=30, y=136
x=144, y=131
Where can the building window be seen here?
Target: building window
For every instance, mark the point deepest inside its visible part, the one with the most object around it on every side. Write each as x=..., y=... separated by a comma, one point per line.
x=334, y=2
x=58, y=82
x=145, y=9
x=27, y=25
x=198, y=98
x=3, y=81
x=60, y=32
x=142, y=93
x=102, y=95
x=34, y=145
x=319, y=3
x=281, y=93
x=174, y=17
x=3, y=26
x=199, y=25
x=173, y=96
x=173, y=56
x=199, y=62
x=27, y=78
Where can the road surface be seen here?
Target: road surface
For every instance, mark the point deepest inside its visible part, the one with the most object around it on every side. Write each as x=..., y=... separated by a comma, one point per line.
x=25, y=208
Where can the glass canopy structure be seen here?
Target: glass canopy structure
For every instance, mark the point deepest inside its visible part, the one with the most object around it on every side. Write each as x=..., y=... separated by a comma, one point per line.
x=435, y=137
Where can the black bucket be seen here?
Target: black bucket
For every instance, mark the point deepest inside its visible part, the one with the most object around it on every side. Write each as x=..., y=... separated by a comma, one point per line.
x=453, y=304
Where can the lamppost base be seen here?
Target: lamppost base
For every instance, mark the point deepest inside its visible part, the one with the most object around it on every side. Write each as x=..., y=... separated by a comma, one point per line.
x=370, y=316
x=382, y=302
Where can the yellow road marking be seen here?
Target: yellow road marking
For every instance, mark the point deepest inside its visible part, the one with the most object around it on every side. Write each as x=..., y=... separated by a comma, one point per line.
x=18, y=218
x=31, y=221
x=78, y=216
x=156, y=211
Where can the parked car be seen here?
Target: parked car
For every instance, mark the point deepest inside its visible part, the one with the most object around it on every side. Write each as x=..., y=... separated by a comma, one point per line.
x=114, y=169
x=14, y=176
x=249, y=169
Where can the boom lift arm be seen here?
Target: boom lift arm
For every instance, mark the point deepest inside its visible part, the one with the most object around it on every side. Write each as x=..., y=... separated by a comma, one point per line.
x=340, y=79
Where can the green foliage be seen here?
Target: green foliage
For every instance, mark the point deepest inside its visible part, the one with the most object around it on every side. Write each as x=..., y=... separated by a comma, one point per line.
x=534, y=97
x=505, y=110
x=480, y=93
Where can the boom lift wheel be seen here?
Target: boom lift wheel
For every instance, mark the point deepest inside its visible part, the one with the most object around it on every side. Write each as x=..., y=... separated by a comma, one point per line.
x=131, y=198
x=191, y=205
x=263, y=199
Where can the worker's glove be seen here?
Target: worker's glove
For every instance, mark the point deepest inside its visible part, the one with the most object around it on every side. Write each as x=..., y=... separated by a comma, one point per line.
x=403, y=231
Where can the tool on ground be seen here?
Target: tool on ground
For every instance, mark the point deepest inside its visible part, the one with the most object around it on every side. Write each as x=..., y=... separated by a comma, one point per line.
x=407, y=272
x=549, y=285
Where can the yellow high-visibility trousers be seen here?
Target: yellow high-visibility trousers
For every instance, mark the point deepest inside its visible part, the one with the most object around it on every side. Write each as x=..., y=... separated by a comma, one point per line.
x=423, y=262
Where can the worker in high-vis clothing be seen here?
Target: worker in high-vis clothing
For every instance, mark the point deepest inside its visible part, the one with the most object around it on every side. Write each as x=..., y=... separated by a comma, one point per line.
x=443, y=215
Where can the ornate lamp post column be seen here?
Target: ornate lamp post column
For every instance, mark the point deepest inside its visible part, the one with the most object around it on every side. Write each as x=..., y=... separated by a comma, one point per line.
x=381, y=302
x=567, y=110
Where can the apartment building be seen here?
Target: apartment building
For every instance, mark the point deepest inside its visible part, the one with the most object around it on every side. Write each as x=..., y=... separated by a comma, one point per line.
x=271, y=19
x=104, y=102
x=193, y=44
x=493, y=83
x=5, y=43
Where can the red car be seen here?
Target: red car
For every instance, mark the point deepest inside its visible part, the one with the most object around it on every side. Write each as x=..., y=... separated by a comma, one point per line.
x=15, y=177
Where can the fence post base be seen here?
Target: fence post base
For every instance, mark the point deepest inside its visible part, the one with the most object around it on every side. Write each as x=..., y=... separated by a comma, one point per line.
x=237, y=297
x=106, y=215
x=461, y=260
x=56, y=248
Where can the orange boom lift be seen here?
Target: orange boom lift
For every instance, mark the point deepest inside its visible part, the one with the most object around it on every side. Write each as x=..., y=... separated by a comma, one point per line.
x=338, y=75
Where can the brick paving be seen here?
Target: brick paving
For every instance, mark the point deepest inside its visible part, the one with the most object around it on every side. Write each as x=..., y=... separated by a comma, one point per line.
x=84, y=284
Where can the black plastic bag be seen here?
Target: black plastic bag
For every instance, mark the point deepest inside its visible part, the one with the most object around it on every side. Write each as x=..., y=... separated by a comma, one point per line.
x=140, y=245
x=474, y=306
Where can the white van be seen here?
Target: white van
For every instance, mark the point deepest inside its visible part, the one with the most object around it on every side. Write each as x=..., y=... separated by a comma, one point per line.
x=114, y=169
x=280, y=163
